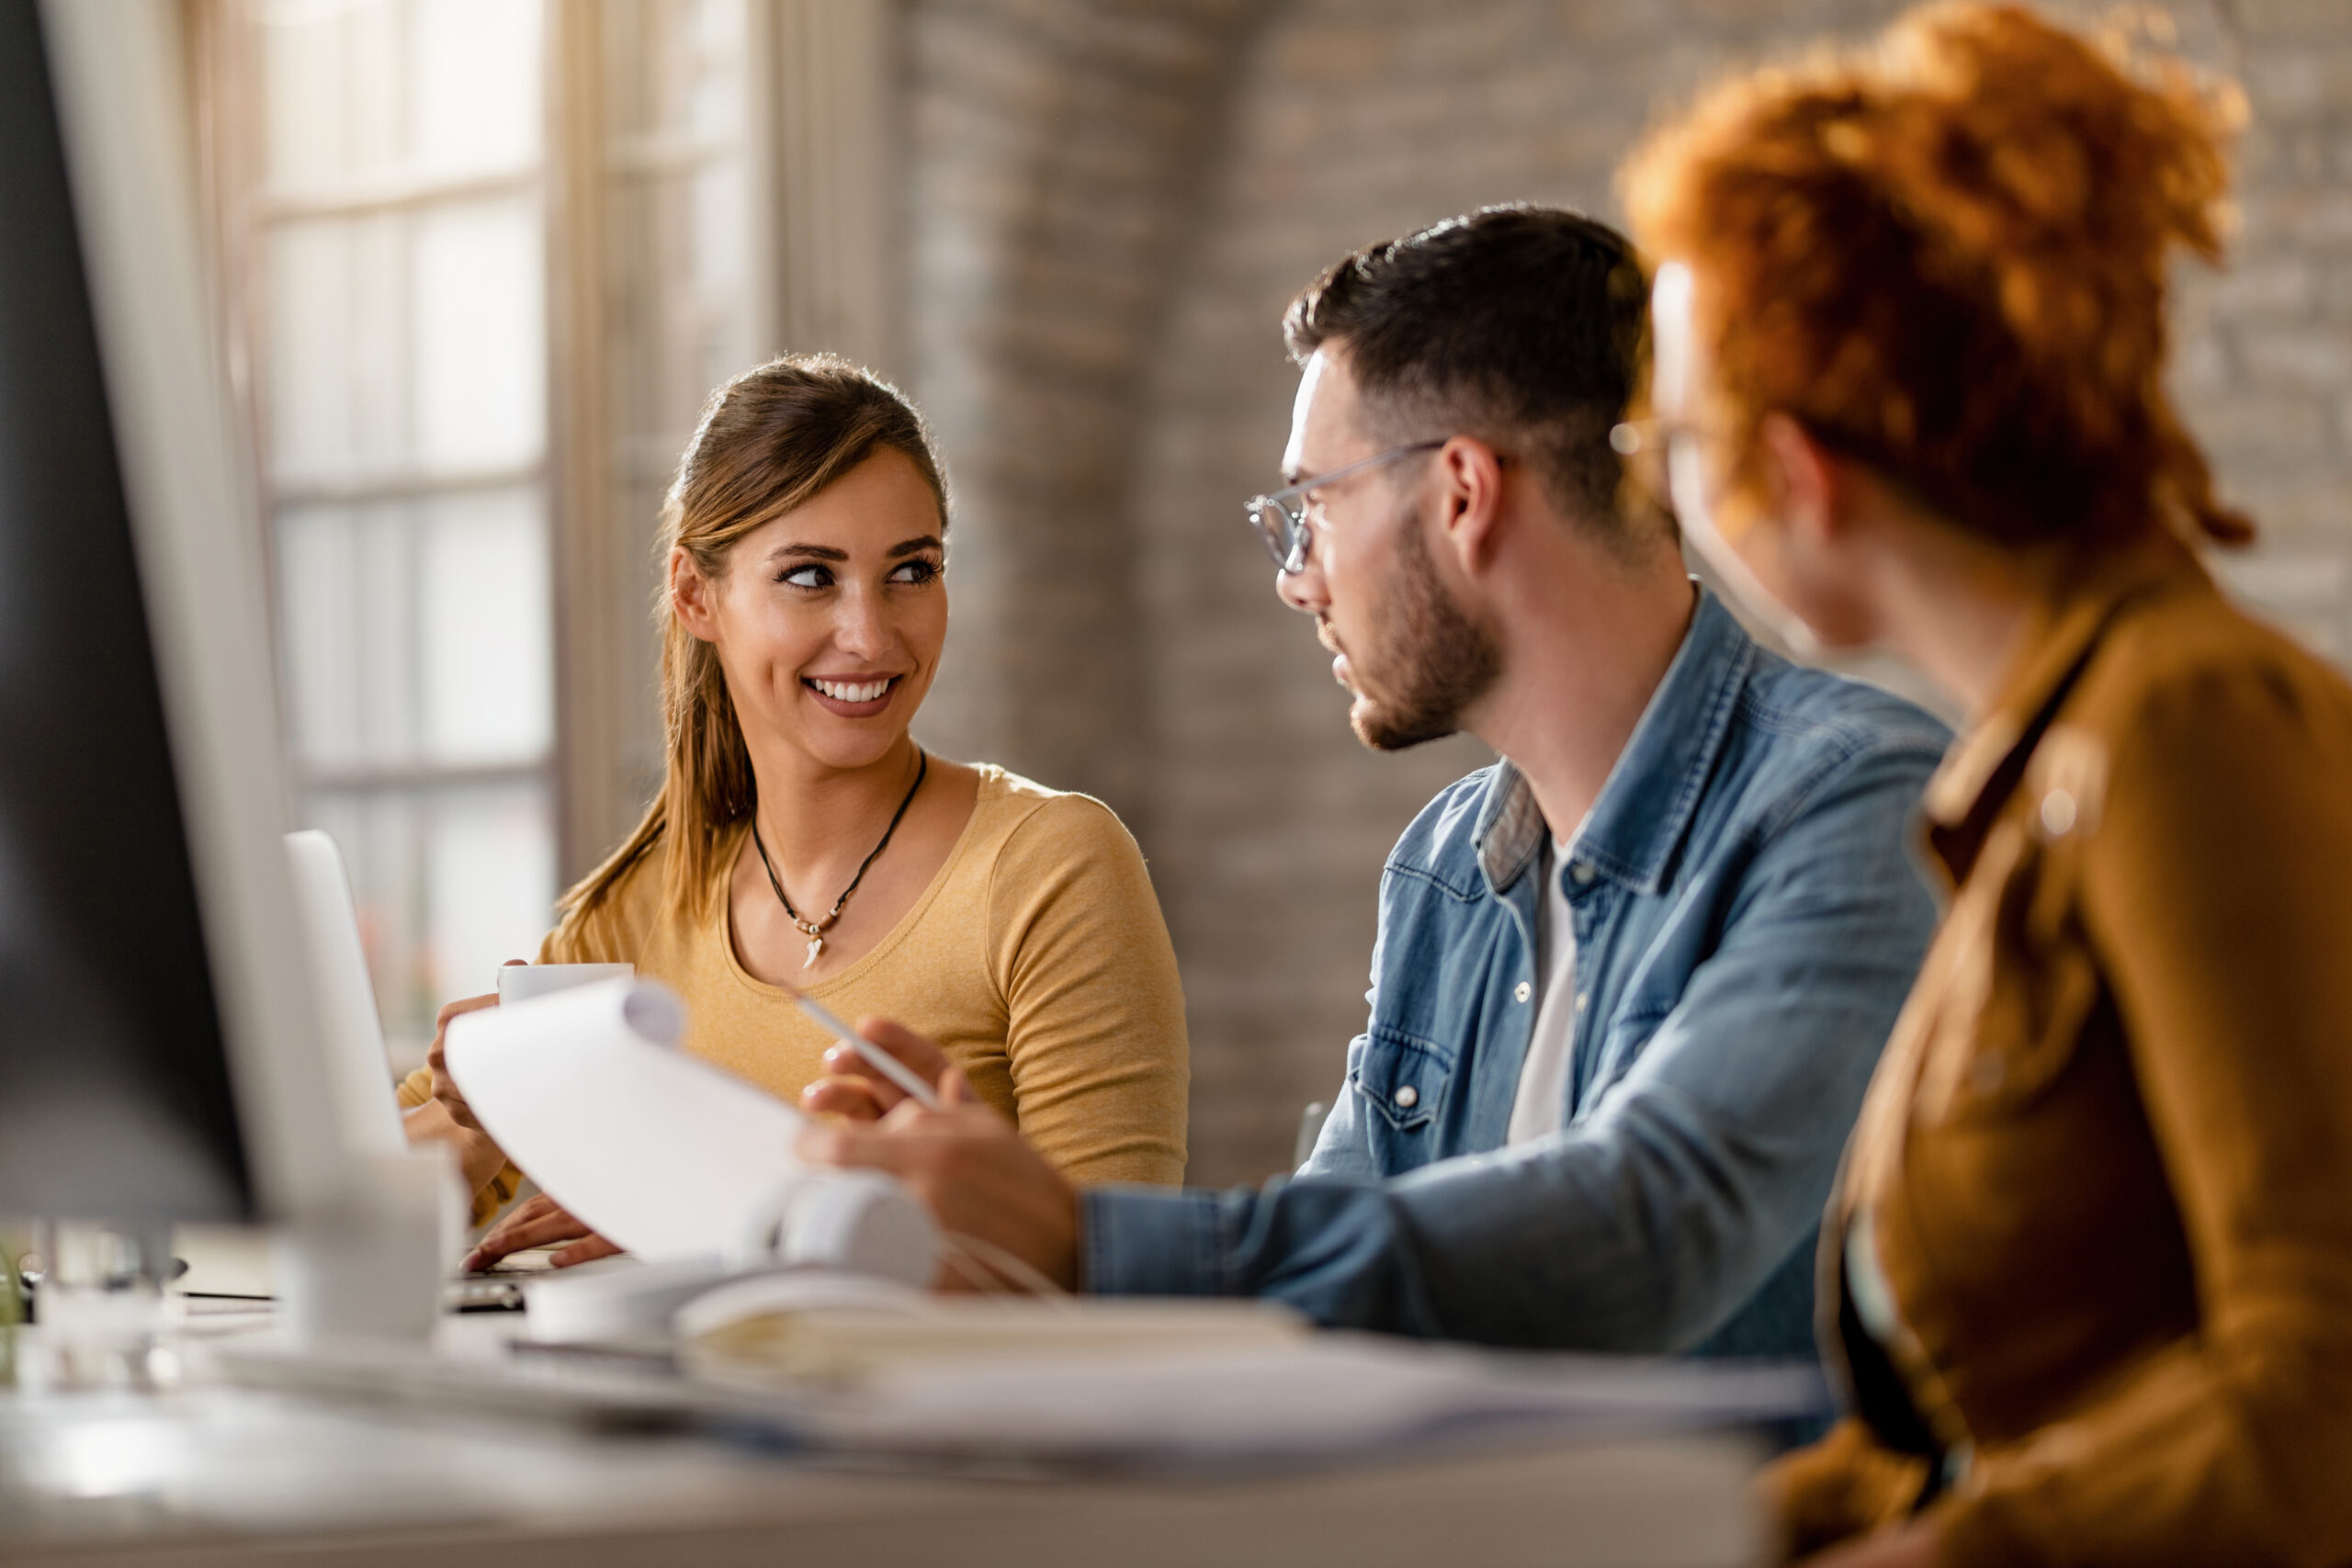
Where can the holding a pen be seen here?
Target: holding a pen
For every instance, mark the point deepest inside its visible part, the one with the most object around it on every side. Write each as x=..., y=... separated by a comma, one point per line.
x=803, y=841
x=873, y=1055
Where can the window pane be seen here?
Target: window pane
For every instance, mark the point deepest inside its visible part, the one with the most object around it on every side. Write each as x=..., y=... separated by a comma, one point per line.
x=484, y=633
x=675, y=67
x=450, y=884
x=479, y=305
x=416, y=633
x=680, y=207
x=338, y=395
x=355, y=89
x=710, y=78
x=476, y=65
x=408, y=339
x=490, y=873
x=346, y=591
x=406, y=336
x=717, y=199
x=318, y=573
x=331, y=85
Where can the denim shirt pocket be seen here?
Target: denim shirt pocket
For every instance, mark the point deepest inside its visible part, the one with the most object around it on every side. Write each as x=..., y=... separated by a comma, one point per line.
x=1402, y=1080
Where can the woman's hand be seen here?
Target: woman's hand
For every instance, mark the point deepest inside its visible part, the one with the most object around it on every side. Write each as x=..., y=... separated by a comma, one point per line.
x=1911, y=1545
x=852, y=1087
x=964, y=1162
x=446, y=1117
x=539, y=1221
x=446, y=1092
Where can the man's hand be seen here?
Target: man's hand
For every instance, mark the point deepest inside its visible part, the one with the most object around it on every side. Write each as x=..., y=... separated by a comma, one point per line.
x=963, y=1162
x=539, y=1221
x=852, y=1087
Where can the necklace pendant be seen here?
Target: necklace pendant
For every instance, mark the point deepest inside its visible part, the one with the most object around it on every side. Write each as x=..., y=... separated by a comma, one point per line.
x=816, y=946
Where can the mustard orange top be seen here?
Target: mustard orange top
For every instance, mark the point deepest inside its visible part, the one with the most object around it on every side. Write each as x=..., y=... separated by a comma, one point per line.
x=1036, y=958
x=2095, y=1220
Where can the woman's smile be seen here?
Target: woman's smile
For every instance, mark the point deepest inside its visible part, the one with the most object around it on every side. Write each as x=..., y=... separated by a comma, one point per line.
x=834, y=609
x=854, y=697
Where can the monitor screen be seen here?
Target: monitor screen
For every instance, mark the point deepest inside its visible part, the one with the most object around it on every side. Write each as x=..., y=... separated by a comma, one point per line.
x=115, y=1088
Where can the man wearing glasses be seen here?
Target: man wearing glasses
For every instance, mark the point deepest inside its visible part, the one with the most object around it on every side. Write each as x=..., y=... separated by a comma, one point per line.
x=1629, y=981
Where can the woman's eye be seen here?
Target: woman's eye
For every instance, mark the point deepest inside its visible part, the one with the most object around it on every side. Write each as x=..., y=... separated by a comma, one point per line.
x=914, y=571
x=807, y=577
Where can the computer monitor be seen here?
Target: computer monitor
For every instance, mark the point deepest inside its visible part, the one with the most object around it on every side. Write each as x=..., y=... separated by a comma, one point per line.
x=158, y=1037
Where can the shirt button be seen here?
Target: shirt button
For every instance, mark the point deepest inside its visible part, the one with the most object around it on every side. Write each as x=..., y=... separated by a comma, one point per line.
x=1409, y=1097
x=1522, y=991
x=1582, y=997
x=1580, y=874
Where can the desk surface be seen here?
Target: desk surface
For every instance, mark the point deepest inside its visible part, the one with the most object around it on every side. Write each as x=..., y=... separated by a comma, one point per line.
x=213, y=1475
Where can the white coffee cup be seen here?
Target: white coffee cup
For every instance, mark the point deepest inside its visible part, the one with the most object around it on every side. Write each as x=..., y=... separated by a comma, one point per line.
x=521, y=982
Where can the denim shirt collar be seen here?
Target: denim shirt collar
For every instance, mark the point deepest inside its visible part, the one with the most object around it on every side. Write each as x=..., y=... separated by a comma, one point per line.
x=1645, y=806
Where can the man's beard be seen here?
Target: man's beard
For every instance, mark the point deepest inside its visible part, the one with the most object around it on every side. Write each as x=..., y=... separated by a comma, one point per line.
x=1431, y=661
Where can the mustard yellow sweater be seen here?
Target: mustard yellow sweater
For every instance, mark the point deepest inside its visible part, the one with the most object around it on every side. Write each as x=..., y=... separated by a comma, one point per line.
x=1037, y=959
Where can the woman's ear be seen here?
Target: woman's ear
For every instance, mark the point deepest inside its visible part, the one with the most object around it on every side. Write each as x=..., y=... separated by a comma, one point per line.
x=1806, y=495
x=691, y=596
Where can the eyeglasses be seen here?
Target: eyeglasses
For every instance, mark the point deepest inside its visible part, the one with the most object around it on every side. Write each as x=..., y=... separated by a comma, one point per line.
x=1646, y=440
x=1635, y=435
x=1280, y=518
x=1645, y=444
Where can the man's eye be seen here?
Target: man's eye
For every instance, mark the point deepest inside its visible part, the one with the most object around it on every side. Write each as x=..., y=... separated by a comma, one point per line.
x=914, y=571
x=807, y=577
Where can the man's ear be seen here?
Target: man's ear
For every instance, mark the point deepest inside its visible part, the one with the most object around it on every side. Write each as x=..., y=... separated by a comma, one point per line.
x=1470, y=479
x=690, y=594
x=1807, y=483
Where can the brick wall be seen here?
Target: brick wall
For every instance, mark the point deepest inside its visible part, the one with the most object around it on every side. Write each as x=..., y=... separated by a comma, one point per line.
x=1056, y=145
x=1110, y=205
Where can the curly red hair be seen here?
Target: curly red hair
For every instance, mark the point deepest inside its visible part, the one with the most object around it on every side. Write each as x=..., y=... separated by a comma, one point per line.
x=1945, y=255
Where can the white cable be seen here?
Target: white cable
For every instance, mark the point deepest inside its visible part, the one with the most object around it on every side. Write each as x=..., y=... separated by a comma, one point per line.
x=973, y=1272
x=990, y=1255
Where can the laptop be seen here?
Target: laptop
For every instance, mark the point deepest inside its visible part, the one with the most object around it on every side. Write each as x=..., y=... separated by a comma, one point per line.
x=353, y=1044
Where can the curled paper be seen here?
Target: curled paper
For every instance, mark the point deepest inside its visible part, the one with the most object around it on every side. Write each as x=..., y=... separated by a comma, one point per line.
x=657, y=1151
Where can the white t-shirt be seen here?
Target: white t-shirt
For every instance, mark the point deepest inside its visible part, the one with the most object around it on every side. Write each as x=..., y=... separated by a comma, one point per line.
x=1543, y=1096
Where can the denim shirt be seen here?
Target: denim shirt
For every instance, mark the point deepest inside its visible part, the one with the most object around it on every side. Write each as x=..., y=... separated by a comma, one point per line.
x=1749, y=919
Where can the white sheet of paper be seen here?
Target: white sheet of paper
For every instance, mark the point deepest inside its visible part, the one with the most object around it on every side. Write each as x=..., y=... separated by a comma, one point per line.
x=1332, y=1393
x=653, y=1149
x=528, y=982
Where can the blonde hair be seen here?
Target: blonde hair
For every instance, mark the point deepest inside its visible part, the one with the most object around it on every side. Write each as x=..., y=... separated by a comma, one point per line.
x=1945, y=255
x=769, y=441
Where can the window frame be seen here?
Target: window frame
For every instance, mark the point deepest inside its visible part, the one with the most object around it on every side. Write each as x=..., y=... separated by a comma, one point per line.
x=814, y=133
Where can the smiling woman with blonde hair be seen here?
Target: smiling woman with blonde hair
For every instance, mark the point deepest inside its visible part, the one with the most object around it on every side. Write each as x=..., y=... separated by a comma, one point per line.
x=801, y=835
x=2087, y=1275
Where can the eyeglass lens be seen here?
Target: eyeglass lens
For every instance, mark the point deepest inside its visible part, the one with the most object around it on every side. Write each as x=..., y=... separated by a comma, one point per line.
x=1283, y=532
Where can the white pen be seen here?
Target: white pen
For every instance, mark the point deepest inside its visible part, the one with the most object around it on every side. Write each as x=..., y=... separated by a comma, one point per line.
x=881, y=1061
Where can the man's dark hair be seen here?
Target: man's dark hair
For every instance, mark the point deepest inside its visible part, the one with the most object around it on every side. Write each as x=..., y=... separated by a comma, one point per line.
x=1520, y=326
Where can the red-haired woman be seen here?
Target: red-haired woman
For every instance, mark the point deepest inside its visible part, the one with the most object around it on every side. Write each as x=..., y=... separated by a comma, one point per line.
x=2088, y=1270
